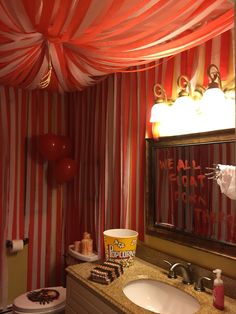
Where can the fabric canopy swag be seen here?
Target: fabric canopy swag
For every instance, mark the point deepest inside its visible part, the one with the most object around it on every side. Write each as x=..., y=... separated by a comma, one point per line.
x=75, y=42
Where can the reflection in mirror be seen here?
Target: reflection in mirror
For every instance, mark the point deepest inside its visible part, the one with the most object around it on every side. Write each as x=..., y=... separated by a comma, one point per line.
x=184, y=203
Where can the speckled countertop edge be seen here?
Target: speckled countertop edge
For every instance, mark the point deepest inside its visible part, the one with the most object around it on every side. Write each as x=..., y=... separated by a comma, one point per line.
x=113, y=292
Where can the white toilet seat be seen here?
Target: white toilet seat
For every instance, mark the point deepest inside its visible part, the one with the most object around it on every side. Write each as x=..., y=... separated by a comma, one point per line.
x=23, y=305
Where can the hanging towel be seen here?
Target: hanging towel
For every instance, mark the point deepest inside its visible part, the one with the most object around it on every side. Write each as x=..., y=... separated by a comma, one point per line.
x=227, y=181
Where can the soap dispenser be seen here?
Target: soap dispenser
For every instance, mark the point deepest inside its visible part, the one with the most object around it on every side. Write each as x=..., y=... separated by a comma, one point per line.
x=218, y=290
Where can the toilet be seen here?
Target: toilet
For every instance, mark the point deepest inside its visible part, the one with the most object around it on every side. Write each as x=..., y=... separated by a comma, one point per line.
x=22, y=304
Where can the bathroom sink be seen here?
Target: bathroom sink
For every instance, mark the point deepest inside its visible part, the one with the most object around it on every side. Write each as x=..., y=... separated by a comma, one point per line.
x=160, y=297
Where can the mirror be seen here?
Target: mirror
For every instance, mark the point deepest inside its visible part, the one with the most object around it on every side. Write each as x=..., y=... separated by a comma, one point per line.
x=182, y=204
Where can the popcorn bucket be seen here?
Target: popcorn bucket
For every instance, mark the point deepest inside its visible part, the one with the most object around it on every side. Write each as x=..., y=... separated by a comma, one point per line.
x=120, y=245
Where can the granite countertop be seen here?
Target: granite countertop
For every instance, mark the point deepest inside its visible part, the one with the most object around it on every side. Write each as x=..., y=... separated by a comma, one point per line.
x=113, y=292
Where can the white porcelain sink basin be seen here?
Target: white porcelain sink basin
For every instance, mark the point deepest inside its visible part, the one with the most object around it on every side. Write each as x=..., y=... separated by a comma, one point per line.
x=160, y=297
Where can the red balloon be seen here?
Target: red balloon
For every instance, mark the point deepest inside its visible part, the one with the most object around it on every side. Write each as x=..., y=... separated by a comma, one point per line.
x=65, y=170
x=50, y=146
x=66, y=146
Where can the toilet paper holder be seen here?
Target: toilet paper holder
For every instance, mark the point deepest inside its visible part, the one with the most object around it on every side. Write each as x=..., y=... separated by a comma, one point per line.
x=9, y=243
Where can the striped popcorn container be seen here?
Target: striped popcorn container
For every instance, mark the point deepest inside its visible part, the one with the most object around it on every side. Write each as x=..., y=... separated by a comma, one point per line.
x=120, y=245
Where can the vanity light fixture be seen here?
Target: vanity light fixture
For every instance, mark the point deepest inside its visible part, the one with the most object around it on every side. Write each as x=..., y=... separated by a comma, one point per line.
x=214, y=109
x=160, y=106
x=159, y=112
x=183, y=110
x=195, y=110
x=214, y=95
x=214, y=89
x=185, y=91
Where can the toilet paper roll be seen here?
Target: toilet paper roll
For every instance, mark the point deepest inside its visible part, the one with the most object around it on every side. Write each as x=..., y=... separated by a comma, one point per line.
x=17, y=245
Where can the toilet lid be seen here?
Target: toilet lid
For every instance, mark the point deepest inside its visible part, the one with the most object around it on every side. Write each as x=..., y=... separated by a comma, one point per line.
x=22, y=303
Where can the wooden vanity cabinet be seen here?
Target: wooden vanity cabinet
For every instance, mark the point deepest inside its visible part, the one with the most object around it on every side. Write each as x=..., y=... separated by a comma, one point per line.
x=81, y=300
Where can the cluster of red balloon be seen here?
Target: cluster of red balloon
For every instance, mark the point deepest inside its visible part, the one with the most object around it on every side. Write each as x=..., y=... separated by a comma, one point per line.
x=58, y=148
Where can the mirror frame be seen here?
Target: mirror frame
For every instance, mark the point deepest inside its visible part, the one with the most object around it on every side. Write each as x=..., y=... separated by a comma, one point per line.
x=223, y=249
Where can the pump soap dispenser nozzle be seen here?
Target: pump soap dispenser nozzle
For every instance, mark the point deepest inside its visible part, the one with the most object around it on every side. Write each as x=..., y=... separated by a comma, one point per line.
x=218, y=275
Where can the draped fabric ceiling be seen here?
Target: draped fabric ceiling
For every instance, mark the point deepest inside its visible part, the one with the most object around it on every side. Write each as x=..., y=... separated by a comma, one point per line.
x=86, y=39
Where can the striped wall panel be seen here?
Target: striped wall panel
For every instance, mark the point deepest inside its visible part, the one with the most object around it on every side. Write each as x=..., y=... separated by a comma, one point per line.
x=31, y=202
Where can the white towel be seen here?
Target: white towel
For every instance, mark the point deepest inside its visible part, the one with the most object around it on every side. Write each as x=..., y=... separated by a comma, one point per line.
x=227, y=181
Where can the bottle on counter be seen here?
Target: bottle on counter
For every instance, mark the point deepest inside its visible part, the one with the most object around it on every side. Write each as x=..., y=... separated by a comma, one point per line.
x=87, y=244
x=218, y=290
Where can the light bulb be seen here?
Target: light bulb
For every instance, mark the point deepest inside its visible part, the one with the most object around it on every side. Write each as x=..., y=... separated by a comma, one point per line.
x=159, y=112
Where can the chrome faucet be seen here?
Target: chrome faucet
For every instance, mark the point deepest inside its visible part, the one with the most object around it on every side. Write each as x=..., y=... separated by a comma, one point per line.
x=199, y=284
x=171, y=274
x=186, y=272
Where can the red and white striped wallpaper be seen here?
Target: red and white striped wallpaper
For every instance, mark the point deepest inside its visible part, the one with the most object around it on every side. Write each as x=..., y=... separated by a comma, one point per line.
x=108, y=124
x=31, y=202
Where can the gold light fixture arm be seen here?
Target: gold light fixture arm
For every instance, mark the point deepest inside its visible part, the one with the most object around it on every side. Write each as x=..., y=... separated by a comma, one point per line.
x=159, y=93
x=184, y=86
x=214, y=77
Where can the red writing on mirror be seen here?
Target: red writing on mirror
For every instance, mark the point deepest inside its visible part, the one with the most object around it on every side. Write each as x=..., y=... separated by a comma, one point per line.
x=187, y=198
x=205, y=223
x=185, y=180
x=181, y=164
